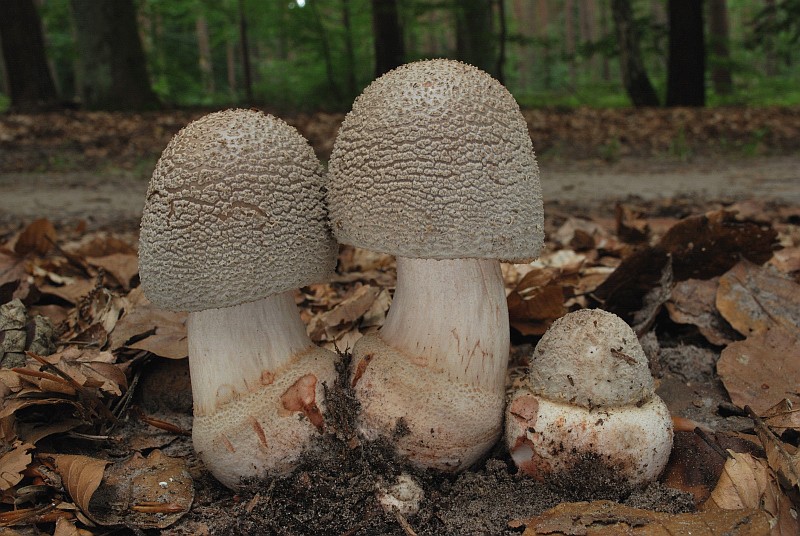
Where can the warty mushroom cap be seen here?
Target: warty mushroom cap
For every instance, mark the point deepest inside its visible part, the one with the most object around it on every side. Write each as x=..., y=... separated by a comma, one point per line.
x=591, y=358
x=234, y=213
x=435, y=161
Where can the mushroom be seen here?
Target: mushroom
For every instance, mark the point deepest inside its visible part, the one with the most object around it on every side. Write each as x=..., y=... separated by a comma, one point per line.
x=434, y=165
x=590, y=396
x=233, y=221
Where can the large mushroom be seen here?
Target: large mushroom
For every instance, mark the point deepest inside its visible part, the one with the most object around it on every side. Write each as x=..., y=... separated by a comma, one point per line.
x=434, y=165
x=590, y=398
x=234, y=220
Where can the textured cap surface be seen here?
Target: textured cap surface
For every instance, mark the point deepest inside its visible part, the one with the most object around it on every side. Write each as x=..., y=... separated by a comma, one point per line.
x=234, y=213
x=591, y=358
x=435, y=161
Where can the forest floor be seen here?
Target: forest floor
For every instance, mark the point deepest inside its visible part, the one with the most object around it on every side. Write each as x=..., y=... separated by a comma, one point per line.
x=686, y=223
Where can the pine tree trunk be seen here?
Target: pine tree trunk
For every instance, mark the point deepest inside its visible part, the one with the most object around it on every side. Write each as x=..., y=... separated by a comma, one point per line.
x=349, y=50
x=475, y=40
x=30, y=83
x=686, y=61
x=388, y=36
x=245, y=50
x=112, y=60
x=569, y=39
x=204, y=54
x=719, y=29
x=634, y=74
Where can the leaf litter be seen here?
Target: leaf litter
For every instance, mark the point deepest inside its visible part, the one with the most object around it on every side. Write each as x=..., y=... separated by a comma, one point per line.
x=95, y=412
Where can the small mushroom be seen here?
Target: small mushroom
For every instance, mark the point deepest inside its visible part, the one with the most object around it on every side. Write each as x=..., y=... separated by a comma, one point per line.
x=233, y=221
x=434, y=165
x=590, y=397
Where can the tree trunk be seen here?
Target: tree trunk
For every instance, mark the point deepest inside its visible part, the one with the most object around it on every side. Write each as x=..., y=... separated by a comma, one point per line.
x=605, y=68
x=719, y=29
x=230, y=67
x=634, y=75
x=326, y=49
x=569, y=39
x=587, y=19
x=475, y=40
x=245, y=49
x=686, y=61
x=388, y=36
x=204, y=54
x=349, y=50
x=112, y=60
x=502, y=36
x=29, y=80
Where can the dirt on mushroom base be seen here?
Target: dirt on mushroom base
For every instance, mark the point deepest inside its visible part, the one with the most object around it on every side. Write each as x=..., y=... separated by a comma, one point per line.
x=333, y=491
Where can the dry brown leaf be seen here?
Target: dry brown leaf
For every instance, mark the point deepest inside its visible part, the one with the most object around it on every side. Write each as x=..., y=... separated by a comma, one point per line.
x=754, y=298
x=782, y=416
x=694, y=302
x=748, y=482
x=787, y=260
x=65, y=527
x=146, y=327
x=762, y=370
x=606, y=518
x=537, y=301
x=13, y=463
x=38, y=237
x=152, y=492
x=331, y=324
x=784, y=464
x=122, y=266
x=71, y=292
x=81, y=476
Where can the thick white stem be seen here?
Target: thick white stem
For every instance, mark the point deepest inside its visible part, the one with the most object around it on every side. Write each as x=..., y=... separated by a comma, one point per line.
x=451, y=316
x=237, y=350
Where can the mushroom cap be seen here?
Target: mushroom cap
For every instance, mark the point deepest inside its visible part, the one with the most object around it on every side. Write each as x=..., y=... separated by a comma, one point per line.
x=435, y=161
x=234, y=213
x=591, y=358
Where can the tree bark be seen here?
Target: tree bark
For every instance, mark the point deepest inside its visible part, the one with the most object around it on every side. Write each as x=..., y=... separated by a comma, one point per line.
x=245, y=50
x=388, y=36
x=475, y=40
x=634, y=74
x=28, y=76
x=204, y=54
x=349, y=50
x=502, y=36
x=719, y=29
x=686, y=62
x=112, y=60
x=569, y=39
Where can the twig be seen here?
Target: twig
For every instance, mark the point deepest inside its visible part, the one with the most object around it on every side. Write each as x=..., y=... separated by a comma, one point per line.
x=403, y=522
x=711, y=442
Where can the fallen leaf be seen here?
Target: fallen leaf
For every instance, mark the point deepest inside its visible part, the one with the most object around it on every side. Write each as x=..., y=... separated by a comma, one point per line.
x=13, y=463
x=38, y=237
x=146, y=327
x=122, y=266
x=762, y=370
x=694, y=302
x=784, y=464
x=537, y=301
x=151, y=492
x=754, y=298
x=747, y=482
x=782, y=416
x=81, y=476
x=330, y=325
x=606, y=518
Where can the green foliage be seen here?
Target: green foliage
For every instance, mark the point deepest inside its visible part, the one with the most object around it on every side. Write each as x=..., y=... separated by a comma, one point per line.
x=301, y=60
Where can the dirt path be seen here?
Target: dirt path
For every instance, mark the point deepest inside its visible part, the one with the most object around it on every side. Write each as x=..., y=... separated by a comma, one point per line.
x=109, y=199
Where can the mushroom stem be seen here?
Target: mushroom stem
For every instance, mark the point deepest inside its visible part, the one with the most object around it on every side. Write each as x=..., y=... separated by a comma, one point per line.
x=433, y=378
x=451, y=316
x=236, y=350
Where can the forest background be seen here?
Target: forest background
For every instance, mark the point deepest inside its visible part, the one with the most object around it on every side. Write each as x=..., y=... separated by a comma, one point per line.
x=293, y=55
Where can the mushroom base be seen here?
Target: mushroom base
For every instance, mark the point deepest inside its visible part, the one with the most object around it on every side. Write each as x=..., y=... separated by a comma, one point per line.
x=266, y=431
x=546, y=437
x=435, y=422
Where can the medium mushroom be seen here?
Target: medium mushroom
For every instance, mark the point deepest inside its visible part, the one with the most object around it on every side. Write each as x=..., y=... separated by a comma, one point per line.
x=233, y=222
x=591, y=397
x=434, y=165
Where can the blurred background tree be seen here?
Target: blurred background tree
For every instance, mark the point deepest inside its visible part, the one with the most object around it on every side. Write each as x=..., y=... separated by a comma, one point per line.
x=288, y=55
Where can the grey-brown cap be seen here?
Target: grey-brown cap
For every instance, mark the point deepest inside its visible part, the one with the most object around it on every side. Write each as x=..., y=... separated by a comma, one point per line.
x=435, y=161
x=234, y=213
x=591, y=358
